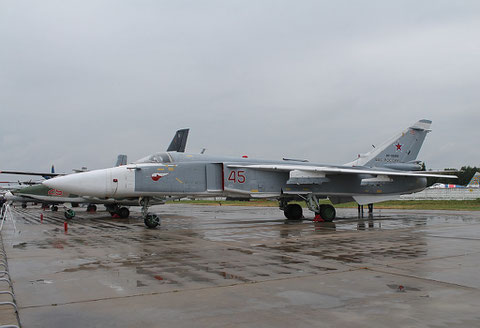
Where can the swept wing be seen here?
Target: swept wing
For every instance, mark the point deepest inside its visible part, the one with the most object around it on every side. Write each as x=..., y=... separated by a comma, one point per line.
x=338, y=170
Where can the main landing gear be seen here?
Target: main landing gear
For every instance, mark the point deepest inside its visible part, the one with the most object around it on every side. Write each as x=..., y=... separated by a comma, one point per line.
x=151, y=220
x=325, y=212
x=122, y=212
x=293, y=212
x=91, y=208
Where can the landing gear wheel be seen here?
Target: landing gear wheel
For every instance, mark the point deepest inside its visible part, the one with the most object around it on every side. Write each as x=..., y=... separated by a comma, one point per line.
x=152, y=220
x=327, y=212
x=92, y=208
x=123, y=212
x=69, y=214
x=54, y=208
x=293, y=212
x=24, y=205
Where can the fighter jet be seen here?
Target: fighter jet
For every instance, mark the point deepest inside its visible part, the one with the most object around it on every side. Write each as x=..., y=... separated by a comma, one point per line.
x=382, y=174
x=55, y=196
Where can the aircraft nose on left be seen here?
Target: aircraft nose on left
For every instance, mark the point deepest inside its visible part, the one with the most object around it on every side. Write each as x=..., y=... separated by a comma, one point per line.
x=92, y=183
x=9, y=196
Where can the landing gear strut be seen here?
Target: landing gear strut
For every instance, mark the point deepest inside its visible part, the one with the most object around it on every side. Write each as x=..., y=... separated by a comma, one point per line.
x=151, y=220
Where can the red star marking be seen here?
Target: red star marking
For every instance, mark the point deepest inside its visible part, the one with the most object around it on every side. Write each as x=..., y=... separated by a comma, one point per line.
x=399, y=146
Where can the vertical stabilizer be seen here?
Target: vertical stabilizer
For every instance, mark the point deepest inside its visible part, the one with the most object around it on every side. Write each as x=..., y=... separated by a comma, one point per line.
x=475, y=182
x=179, y=141
x=400, y=151
x=52, y=170
x=121, y=160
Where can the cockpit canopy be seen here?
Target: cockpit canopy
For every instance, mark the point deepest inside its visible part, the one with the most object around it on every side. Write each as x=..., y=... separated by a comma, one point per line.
x=156, y=158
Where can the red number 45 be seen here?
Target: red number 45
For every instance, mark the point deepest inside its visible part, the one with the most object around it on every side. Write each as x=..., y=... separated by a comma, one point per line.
x=237, y=177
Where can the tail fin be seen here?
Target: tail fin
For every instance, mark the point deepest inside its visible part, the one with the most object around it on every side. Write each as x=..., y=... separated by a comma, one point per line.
x=475, y=182
x=121, y=160
x=52, y=170
x=399, y=152
x=179, y=141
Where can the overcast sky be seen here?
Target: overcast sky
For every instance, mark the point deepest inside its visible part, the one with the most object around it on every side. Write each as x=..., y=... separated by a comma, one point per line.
x=82, y=81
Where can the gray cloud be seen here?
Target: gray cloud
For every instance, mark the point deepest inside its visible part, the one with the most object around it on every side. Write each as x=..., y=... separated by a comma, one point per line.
x=81, y=81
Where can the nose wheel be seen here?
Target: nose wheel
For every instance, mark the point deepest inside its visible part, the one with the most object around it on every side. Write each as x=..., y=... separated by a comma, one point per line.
x=151, y=220
x=69, y=214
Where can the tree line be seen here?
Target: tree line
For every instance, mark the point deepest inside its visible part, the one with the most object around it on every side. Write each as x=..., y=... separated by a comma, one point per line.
x=464, y=176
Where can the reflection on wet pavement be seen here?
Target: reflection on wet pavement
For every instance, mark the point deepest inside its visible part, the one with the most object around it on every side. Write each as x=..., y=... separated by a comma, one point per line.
x=204, y=247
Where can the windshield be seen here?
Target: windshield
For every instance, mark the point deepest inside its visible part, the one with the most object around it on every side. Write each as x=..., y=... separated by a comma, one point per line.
x=156, y=158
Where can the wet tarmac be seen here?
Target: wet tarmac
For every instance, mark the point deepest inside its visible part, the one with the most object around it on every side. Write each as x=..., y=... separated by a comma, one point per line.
x=224, y=266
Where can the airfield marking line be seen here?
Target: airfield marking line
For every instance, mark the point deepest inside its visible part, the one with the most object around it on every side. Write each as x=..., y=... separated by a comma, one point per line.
x=379, y=270
x=177, y=291
x=431, y=258
x=452, y=237
x=351, y=269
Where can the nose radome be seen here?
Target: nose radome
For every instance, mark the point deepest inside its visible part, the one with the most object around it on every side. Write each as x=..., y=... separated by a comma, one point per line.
x=92, y=183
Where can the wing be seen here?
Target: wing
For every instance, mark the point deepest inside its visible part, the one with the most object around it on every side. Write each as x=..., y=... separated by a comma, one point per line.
x=319, y=171
x=44, y=174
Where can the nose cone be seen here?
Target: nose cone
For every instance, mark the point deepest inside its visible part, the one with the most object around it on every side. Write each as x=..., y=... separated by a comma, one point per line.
x=92, y=183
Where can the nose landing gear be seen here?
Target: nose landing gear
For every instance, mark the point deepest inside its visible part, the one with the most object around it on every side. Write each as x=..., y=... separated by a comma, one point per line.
x=69, y=214
x=151, y=220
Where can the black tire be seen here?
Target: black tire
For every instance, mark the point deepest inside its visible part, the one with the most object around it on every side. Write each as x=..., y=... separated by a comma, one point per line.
x=124, y=212
x=24, y=205
x=293, y=212
x=91, y=208
x=54, y=208
x=69, y=214
x=152, y=221
x=327, y=212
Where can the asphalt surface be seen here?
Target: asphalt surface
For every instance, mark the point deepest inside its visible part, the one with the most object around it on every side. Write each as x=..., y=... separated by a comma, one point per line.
x=225, y=266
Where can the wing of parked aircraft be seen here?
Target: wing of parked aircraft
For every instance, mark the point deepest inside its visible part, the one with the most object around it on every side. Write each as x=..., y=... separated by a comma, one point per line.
x=42, y=174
